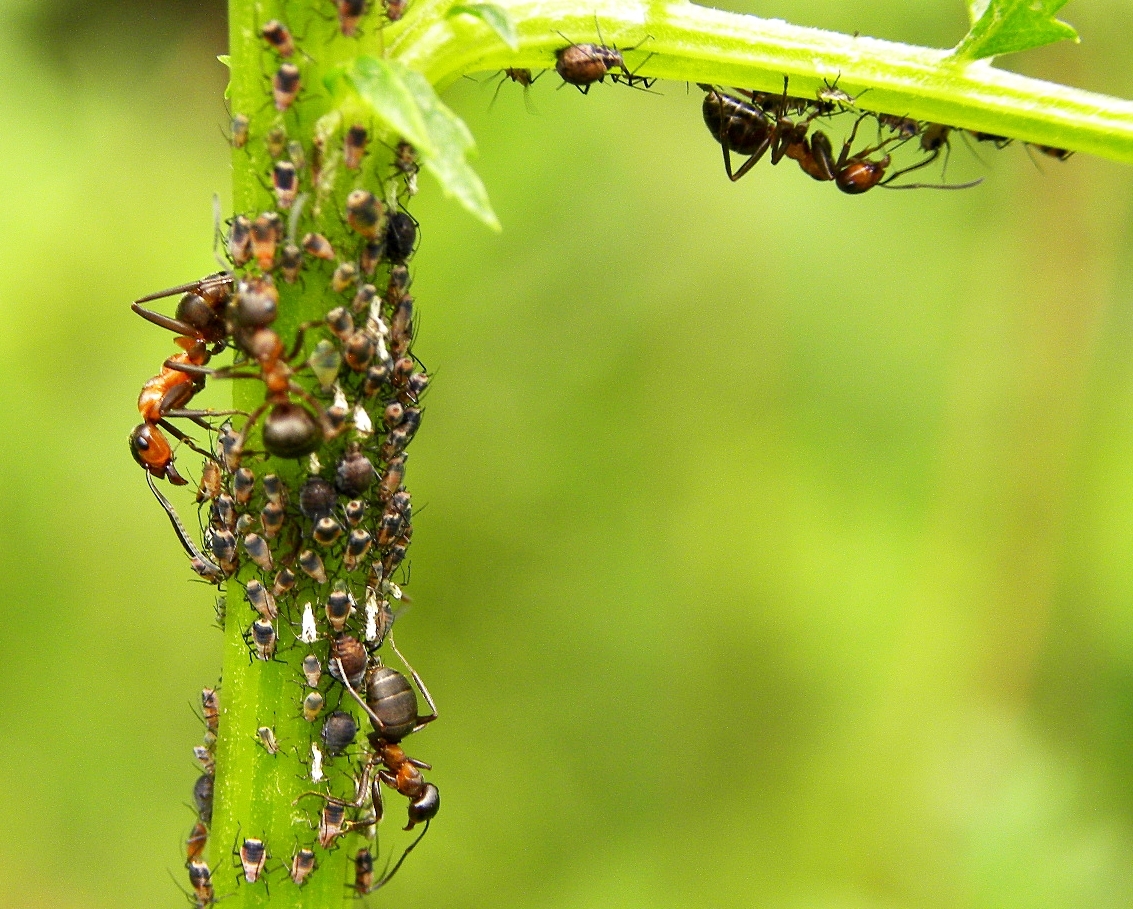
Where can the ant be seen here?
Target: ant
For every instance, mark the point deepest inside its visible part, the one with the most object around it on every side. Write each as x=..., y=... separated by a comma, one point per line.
x=581, y=65
x=391, y=706
x=752, y=127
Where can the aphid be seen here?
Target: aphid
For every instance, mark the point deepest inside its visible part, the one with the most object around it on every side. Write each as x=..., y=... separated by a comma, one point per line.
x=302, y=865
x=276, y=141
x=195, y=844
x=338, y=732
x=363, y=425
x=312, y=706
x=347, y=654
x=271, y=520
x=267, y=232
x=326, y=531
x=222, y=512
x=395, y=9
x=339, y=606
x=285, y=183
x=285, y=86
x=319, y=247
x=364, y=213
x=355, y=472
x=209, y=487
x=401, y=237
x=284, y=582
x=261, y=599
x=359, y=349
x=330, y=823
x=316, y=498
x=355, y=512
x=357, y=545
x=349, y=12
x=273, y=488
x=402, y=370
x=240, y=125
x=265, y=735
x=415, y=387
x=581, y=65
x=210, y=707
x=258, y=551
x=243, y=484
x=340, y=322
x=226, y=441
x=364, y=298
x=401, y=327
x=363, y=871
x=204, y=757
x=253, y=855
x=309, y=632
x=392, y=478
x=405, y=155
x=1060, y=154
x=377, y=376
x=290, y=262
x=373, y=252
x=264, y=639
x=200, y=879
x=336, y=413
x=240, y=241
x=354, y=146
x=905, y=127
x=312, y=566
x=277, y=35
x=344, y=278
x=223, y=545
x=312, y=670
x=202, y=797
x=998, y=141
x=390, y=529
x=379, y=619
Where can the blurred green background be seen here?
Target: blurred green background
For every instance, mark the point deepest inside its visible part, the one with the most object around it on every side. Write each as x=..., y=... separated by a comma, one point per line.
x=776, y=548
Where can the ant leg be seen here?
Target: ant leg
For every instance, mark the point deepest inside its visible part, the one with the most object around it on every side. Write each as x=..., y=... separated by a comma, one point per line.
x=302, y=330
x=422, y=721
x=242, y=436
x=209, y=569
x=385, y=878
x=207, y=372
x=181, y=437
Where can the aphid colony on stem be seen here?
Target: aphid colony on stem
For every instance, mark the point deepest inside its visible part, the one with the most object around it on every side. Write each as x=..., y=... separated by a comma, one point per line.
x=305, y=516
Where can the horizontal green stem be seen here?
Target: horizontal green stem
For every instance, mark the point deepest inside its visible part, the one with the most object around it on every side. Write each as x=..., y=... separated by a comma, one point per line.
x=696, y=44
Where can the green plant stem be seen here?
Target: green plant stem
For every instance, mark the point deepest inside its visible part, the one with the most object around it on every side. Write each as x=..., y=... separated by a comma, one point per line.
x=697, y=44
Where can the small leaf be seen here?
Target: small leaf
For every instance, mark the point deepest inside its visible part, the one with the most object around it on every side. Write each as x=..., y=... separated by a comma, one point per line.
x=382, y=84
x=451, y=144
x=495, y=17
x=1009, y=26
x=225, y=59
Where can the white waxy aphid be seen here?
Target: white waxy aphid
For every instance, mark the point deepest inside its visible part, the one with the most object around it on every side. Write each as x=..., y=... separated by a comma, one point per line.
x=340, y=402
x=392, y=589
x=375, y=324
x=363, y=425
x=316, y=764
x=309, y=632
x=382, y=353
x=371, y=632
x=266, y=736
x=314, y=465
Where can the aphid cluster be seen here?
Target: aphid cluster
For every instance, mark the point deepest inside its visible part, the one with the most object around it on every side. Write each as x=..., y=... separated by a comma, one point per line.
x=756, y=124
x=302, y=497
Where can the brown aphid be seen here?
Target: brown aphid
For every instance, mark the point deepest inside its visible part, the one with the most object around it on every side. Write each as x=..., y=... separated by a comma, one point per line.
x=273, y=488
x=363, y=872
x=204, y=756
x=200, y=879
x=364, y=213
x=331, y=822
x=395, y=9
x=284, y=582
x=355, y=472
x=258, y=551
x=402, y=370
x=405, y=155
x=905, y=127
x=223, y=546
x=262, y=600
x=357, y=545
x=354, y=146
x=415, y=386
x=1059, y=154
x=317, y=498
x=265, y=735
x=312, y=566
x=279, y=37
x=326, y=531
x=253, y=855
x=202, y=797
x=398, y=284
x=392, y=478
x=364, y=298
x=312, y=670
x=271, y=519
x=318, y=246
x=195, y=844
x=401, y=327
x=240, y=124
x=276, y=140
x=209, y=487
x=355, y=512
x=243, y=485
x=349, y=12
x=290, y=262
x=340, y=322
x=285, y=183
x=346, y=650
x=264, y=639
x=240, y=241
x=393, y=414
x=344, y=278
x=244, y=523
x=339, y=606
x=373, y=252
x=210, y=707
x=267, y=231
x=285, y=86
x=377, y=377
x=222, y=512
x=301, y=866
x=313, y=705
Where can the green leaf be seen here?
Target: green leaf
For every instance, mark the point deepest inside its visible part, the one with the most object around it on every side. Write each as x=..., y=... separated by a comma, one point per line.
x=225, y=59
x=495, y=17
x=1009, y=26
x=383, y=85
x=451, y=143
